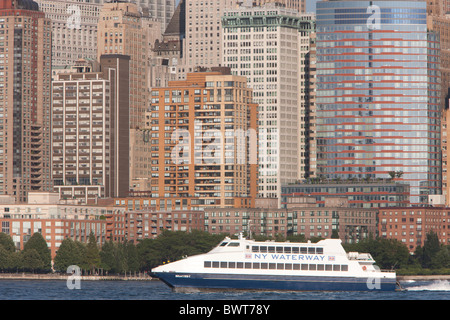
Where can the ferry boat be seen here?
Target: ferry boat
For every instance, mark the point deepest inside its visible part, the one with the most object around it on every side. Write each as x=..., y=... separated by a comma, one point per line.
x=254, y=265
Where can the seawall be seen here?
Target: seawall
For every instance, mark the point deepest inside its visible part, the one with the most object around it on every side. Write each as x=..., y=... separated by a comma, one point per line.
x=55, y=276
x=428, y=277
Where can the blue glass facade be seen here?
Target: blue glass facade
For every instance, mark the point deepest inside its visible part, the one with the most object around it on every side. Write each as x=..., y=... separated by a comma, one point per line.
x=378, y=88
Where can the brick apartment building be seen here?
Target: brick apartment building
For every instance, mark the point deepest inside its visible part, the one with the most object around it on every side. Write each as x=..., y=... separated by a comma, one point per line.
x=410, y=225
x=303, y=217
x=56, y=220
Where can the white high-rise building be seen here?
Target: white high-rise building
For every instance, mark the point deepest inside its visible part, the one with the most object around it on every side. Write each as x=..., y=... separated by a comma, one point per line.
x=161, y=10
x=74, y=25
x=268, y=44
x=74, y=29
x=203, y=45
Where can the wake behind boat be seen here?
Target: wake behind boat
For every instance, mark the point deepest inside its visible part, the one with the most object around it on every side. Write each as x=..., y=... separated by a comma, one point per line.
x=252, y=265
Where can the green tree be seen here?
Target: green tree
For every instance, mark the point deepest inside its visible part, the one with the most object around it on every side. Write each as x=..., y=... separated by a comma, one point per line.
x=132, y=258
x=5, y=262
x=32, y=260
x=296, y=238
x=173, y=245
x=430, y=248
x=7, y=242
x=388, y=253
x=15, y=260
x=92, y=254
x=334, y=234
x=38, y=243
x=68, y=254
x=107, y=256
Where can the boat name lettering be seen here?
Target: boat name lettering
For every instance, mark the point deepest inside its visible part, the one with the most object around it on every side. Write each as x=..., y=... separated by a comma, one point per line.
x=292, y=257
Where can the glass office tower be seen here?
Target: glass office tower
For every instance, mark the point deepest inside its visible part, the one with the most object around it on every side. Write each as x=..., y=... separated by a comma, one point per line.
x=378, y=85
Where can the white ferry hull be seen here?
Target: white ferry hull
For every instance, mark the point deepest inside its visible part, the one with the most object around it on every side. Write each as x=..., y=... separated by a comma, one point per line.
x=222, y=281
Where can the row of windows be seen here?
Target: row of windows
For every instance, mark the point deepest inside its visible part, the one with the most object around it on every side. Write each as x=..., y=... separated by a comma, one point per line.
x=275, y=266
x=302, y=250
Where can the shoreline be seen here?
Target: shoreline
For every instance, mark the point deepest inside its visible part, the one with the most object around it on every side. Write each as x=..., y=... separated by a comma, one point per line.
x=423, y=277
x=65, y=277
x=30, y=276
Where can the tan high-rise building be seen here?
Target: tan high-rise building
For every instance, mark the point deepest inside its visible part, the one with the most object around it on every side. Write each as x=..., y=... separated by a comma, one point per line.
x=25, y=105
x=298, y=5
x=204, y=140
x=74, y=29
x=121, y=31
x=90, y=133
x=202, y=46
x=162, y=10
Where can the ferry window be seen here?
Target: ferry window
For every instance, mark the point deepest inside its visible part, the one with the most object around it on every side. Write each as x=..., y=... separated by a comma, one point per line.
x=296, y=266
x=207, y=264
x=344, y=267
x=312, y=267
x=272, y=249
x=255, y=249
x=248, y=265
x=223, y=264
x=304, y=267
x=232, y=265
x=272, y=266
x=223, y=244
x=319, y=250
x=336, y=267
x=262, y=249
x=279, y=249
x=311, y=250
x=303, y=250
x=288, y=266
x=264, y=265
x=215, y=264
x=328, y=267
x=320, y=267
x=234, y=244
x=280, y=266
x=287, y=249
x=255, y=265
x=240, y=265
x=295, y=250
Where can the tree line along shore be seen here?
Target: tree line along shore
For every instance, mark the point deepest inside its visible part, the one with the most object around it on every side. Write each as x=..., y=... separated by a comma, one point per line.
x=126, y=260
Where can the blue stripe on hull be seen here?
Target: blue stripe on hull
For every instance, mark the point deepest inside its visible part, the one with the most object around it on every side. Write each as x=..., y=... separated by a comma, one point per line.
x=266, y=282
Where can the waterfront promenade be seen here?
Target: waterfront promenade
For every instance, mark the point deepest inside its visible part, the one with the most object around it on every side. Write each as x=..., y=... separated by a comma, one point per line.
x=146, y=277
x=60, y=276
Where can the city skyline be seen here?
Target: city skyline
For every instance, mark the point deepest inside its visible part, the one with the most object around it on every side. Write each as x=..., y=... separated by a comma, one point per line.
x=221, y=105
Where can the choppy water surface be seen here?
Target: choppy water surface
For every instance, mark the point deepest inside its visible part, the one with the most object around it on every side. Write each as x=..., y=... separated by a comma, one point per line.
x=156, y=290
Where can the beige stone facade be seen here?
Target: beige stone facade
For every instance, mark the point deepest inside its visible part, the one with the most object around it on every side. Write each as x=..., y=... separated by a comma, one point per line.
x=121, y=31
x=278, y=60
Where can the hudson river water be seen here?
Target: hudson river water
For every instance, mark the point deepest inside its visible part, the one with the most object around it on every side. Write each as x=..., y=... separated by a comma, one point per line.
x=156, y=290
